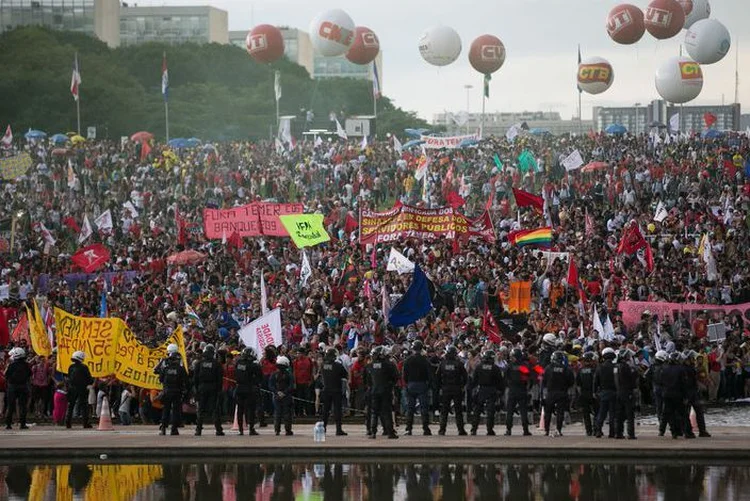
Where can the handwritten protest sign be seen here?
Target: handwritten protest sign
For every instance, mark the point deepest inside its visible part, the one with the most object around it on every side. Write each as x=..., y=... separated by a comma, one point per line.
x=306, y=230
x=251, y=220
x=408, y=222
x=135, y=362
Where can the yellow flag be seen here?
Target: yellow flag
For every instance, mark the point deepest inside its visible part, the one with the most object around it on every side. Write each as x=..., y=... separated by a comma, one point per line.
x=306, y=230
x=37, y=333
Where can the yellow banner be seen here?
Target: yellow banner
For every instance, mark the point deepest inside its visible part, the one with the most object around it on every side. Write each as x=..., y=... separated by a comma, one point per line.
x=135, y=362
x=37, y=332
x=306, y=230
x=111, y=348
x=12, y=167
x=105, y=482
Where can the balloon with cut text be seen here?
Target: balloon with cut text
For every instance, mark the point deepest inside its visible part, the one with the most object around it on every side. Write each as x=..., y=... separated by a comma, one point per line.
x=332, y=33
x=664, y=18
x=679, y=79
x=707, y=41
x=595, y=75
x=487, y=54
x=265, y=43
x=695, y=10
x=440, y=45
x=365, y=47
x=625, y=24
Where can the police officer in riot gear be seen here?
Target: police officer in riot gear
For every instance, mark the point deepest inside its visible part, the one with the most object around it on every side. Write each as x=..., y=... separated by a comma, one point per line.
x=451, y=381
x=585, y=384
x=673, y=380
x=334, y=374
x=17, y=377
x=208, y=382
x=382, y=376
x=79, y=378
x=417, y=376
x=518, y=376
x=249, y=377
x=693, y=397
x=173, y=377
x=487, y=383
x=626, y=381
x=654, y=374
x=282, y=386
x=606, y=387
x=558, y=379
x=549, y=345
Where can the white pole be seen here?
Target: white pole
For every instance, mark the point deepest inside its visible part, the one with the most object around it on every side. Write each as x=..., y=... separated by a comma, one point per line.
x=166, y=117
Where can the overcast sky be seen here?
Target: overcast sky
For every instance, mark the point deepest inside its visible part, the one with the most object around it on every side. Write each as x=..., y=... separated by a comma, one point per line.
x=540, y=36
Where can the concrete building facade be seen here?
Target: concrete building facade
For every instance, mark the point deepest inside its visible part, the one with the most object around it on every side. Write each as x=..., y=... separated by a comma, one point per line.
x=639, y=119
x=173, y=25
x=497, y=124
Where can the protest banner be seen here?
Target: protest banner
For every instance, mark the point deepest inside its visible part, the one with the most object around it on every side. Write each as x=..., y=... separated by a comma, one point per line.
x=306, y=230
x=15, y=166
x=632, y=310
x=251, y=220
x=519, y=299
x=480, y=227
x=135, y=362
x=262, y=332
x=408, y=222
x=96, y=337
x=450, y=142
x=572, y=161
x=40, y=342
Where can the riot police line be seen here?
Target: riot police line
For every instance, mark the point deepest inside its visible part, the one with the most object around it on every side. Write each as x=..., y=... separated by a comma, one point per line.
x=604, y=388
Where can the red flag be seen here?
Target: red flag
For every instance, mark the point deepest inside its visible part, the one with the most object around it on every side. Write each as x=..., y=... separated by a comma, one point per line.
x=709, y=118
x=572, y=273
x=397, y=204
x=21, y=332
x=91, y=258
x=234, y=240
x=181, y=230
x=454, y=199
x=351, y=224
x=632, y=239
x=649, y=258
x=71, y=223
x=526, y=199
x=456, y=248
x=145, y=150
x=373, y=259
x=489, y=326
x=75, y=79
x=7, y=140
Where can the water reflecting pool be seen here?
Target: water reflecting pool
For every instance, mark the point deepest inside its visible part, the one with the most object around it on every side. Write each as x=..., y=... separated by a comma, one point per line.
x=375, y=481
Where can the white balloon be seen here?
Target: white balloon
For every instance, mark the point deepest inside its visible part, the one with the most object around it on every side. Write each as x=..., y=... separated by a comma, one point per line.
x=708, y=41
x=595, y=75
x=695, y=10
x=679, y=80
x=332, y=33
x=440, y=45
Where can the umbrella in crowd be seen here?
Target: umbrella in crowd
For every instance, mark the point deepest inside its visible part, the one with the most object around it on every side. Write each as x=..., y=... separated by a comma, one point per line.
x=61, y=152
x=76, y=140
x=186, y=257
x=141, y=136
x=35, y=134
x=594, y=166
x=712, y=134
x=537, y=131
x=413, y=142
x=615, y=129
x=193, y=142
x=178, y=142
x=59, y=139
x=416, y=133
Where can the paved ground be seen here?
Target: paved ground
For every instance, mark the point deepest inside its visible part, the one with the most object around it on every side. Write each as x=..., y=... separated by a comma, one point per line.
x=142, y=442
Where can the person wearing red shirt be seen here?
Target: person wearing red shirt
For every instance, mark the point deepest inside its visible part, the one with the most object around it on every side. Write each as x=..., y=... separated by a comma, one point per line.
x=357, y=381
x=700, y=326
x=302, y=368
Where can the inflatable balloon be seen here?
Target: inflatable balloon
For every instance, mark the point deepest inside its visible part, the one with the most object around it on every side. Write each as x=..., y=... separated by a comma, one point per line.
x=332, y=33
x=440, y=46
x=707, y=41
x=595, y=75
x=695, y=10
x=679, y=80
x=264, y=43
x=487, y=54
x=625, y=24
x=365, y=48
x=664, y=18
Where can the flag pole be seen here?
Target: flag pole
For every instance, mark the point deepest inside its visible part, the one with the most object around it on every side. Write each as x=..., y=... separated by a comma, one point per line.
x=166, y=117
x=165, y=92
x=78, y=100
x=485, y=86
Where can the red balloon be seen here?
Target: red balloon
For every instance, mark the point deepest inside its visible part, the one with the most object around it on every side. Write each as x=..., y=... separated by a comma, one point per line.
x=265, y=43
x=664, y=18
x=487, y=54
x=365, y=47
x=625, y=24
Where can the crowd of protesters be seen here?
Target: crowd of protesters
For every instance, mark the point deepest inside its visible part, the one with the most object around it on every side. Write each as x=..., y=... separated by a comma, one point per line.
x=157, y=199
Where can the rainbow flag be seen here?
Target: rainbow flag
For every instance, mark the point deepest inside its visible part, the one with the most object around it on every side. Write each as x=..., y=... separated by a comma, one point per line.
x=540, y=237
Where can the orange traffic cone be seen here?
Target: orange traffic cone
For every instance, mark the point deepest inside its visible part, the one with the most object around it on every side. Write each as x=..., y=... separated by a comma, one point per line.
x=541, y=420
x=235, y=426
x=105, y=418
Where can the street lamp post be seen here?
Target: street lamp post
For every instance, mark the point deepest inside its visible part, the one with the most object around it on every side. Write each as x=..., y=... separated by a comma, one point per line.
x=637, y=106
x=468, y=88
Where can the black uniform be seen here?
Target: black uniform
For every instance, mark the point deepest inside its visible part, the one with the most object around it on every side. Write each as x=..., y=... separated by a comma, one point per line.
x=627, y=379
x=658, y=390
x=382, y=376
x=79, y=377
x=208, y=382
x=693, y=400
x=585, y=383
x=558, y=379
x=518, y=376
x=673, y=381
x=17, y=378
x=487, y=382
x=249, y=377
x=332, y=394
x=418, y=377
x=451, y=381
x=282, y=385
x=174, y=378
x=605, y=385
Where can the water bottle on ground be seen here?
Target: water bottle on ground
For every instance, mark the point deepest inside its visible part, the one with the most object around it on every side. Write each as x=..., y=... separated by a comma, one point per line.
x=319, y=432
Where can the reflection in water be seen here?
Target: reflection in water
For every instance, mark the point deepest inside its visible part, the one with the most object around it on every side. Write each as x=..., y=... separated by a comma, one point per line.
x=374, y=481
